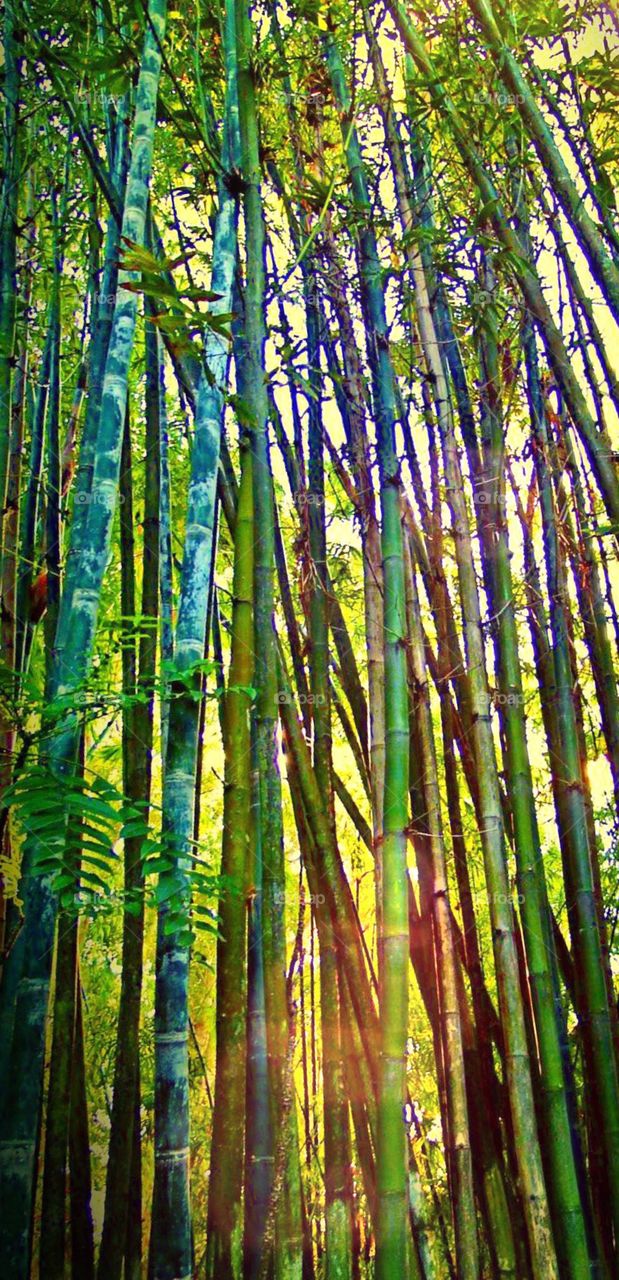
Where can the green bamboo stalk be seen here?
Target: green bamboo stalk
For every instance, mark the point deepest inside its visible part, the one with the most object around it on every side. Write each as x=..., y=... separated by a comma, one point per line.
x=355, y=397
x=544, y=670
x=21, y=419
x=30, y=510
x=458, y=1122
x=446, y=662
x=341, y=901
x=593, y=995
x=287, y=1224
x=519, y=1079
x=392, y=1226
x=338, y=1233
x=8, y=233
x=317, y=847
x=518, y=1071
x=21, y=413
x=82, y=1234
x=338, y=1183
x=52, y=427
x=349, y=671
x=504, y=1240
x=432, y=352
x=133, y=1237
x=224, y=1223
x=461, y=1167
x=57, y=1115
x=258, y=1128
x=166, y=582
x=563, y=1181
x=493, y=1189
x=586, y=575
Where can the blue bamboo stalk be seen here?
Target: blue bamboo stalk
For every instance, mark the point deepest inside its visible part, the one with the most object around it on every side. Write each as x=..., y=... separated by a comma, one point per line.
x=19, y=1125
x=171, y=1246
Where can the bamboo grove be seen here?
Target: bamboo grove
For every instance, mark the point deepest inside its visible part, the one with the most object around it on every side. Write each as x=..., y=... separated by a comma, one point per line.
x=309, y=714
